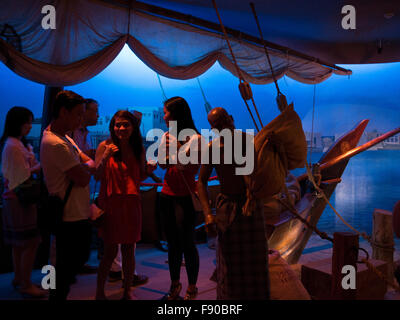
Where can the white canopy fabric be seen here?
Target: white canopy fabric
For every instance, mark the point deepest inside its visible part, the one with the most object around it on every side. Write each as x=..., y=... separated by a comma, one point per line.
x=89, y=35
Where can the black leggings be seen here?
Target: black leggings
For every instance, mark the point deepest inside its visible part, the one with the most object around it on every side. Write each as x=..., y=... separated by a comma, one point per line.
x=178, y=218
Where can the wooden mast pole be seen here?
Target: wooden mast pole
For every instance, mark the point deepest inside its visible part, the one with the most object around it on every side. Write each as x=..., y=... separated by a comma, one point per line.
x=43, y=251
x=49, y=97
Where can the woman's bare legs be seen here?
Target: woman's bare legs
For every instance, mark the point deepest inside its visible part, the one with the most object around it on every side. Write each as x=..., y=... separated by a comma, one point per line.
x=128, y=267
x=17, y=252
x=110, y=251
x=24, y=258
x=28, y=255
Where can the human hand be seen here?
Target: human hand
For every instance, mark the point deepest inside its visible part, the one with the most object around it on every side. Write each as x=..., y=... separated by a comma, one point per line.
x=209, y=219
x=171, y=141
x=110, y=149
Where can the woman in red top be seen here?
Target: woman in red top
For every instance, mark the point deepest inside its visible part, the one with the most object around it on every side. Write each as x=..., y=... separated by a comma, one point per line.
x=120, y=176
x=178, y=214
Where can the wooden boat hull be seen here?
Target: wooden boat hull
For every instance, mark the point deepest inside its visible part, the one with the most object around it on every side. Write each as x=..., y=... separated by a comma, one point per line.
x=288, y=235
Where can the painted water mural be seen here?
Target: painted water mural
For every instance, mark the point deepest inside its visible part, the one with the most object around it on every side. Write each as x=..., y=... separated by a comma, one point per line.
x=371, y=180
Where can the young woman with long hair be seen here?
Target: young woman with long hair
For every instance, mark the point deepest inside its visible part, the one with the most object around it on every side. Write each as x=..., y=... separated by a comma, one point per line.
x=178, y=214
x=121, y=167
x=18, y=163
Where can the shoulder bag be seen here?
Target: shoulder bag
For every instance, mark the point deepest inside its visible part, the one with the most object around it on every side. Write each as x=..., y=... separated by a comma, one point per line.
x=56, y=208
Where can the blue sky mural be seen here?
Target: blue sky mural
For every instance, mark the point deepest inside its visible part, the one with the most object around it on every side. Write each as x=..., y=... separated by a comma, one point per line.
x=371, y=178
x=371, y=92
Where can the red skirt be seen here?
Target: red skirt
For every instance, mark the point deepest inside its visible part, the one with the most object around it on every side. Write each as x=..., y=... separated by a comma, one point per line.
x=122, y=219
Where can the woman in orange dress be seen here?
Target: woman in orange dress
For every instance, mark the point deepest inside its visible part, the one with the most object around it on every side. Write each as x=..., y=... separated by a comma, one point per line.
x=120, y=175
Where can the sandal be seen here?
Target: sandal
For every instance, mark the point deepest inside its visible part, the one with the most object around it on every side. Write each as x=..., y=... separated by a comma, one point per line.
x=191, y=295
x=173, y=293
x=15, y=284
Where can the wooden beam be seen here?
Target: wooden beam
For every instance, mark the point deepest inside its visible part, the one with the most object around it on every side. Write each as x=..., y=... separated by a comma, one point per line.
x=351, y=153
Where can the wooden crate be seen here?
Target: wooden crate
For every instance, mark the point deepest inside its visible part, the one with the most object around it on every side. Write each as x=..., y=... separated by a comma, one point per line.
x=316, y=277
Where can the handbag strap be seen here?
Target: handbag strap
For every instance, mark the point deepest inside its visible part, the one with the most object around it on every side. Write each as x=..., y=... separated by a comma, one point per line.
x=68, y=192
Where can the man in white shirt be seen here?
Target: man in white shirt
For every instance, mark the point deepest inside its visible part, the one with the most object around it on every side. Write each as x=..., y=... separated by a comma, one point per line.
x=63, y=162
x=81, y=137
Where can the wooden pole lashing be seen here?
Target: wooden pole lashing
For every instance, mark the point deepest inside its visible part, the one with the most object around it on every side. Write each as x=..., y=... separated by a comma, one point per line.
x=382, y=238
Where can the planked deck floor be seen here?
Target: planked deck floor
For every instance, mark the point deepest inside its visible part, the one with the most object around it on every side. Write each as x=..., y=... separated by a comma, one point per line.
x=152, y=262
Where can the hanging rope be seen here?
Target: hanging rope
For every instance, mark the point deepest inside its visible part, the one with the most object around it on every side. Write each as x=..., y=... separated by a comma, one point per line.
x=312, y=127
x=285, y=202
x=162, y=88
x=244, y=87
x=324, y=235
x=383, y=277
x=265, y=47
x=206, y=104
x=311, y=178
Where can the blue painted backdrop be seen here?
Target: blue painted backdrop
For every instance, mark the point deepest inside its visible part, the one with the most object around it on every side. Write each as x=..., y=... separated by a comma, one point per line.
x=372, y=92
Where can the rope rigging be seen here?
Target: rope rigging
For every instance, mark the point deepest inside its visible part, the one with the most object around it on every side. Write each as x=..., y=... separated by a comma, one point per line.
x=206, y=103
x=246, y=94
x=244, y=87
x=310, y=176
x=162, y=88
x=312, y=127
x=253, y=9
x=280, y=97
x=364, y=235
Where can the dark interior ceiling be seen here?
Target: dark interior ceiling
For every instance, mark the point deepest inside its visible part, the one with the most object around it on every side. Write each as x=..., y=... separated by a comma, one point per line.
x=310, y=26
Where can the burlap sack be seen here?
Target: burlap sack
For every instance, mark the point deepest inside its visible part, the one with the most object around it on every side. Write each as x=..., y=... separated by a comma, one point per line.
x=273, y=207
x=280, y=146
x=284, y=284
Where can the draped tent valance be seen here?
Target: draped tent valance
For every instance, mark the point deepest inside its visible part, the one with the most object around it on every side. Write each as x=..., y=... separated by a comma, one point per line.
x=89, y=35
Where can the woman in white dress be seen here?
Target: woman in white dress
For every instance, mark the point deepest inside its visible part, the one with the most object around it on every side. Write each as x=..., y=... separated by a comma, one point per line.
x=18, y=164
